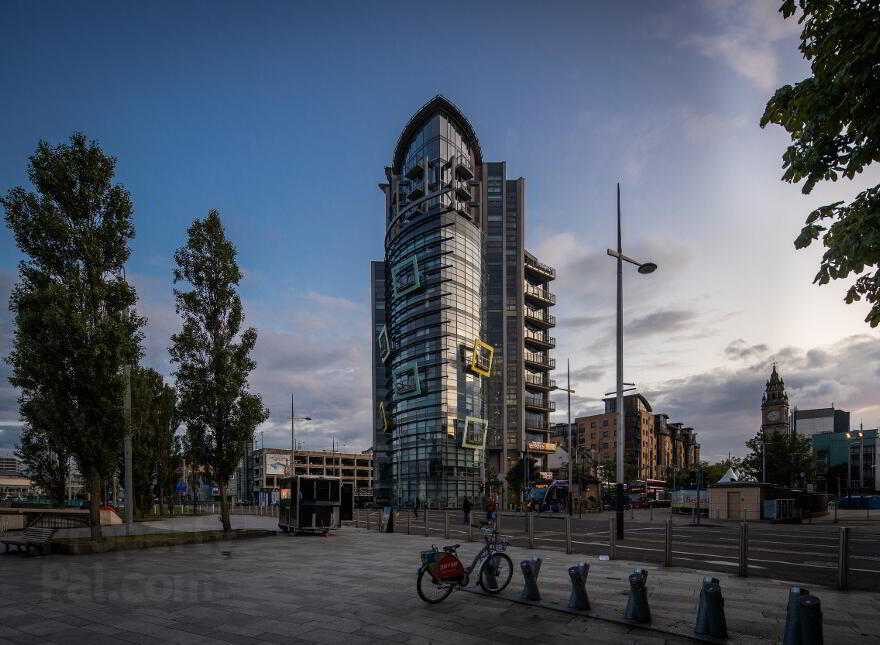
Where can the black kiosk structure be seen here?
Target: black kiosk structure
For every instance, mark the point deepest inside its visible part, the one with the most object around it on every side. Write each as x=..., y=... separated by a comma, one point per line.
x=316, y=506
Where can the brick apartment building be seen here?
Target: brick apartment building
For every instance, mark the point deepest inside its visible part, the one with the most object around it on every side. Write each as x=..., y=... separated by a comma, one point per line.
x=656, y=447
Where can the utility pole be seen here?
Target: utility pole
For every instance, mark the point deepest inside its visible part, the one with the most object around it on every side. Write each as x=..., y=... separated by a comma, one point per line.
x=643, y=268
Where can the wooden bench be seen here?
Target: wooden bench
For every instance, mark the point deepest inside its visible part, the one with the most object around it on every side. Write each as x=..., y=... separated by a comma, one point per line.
x=31, y=538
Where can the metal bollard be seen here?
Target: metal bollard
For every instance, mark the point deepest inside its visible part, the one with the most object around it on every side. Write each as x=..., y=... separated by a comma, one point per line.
x=637, y=608
x=651, y=513
x=531, y=524
x=567, y=534
x=793, y=634
x=426, y=522
x=632, y=513
x=357, y=518
x=470, y=532
x=843, y=559
x=368, y=519
x=409, y=523
x=667, y=547
x=498, y=521
x=743, y=550
x=710, y=612
x=446, y=525
x=811, y=620
x=612, y=538
x=530, y=570
x=578, y=576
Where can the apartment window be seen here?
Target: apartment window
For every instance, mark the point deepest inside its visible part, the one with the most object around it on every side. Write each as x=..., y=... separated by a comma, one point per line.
x=604, y=423
x=592, y=424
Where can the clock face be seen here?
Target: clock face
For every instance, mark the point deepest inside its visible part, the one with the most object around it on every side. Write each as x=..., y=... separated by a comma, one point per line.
x=773, y=415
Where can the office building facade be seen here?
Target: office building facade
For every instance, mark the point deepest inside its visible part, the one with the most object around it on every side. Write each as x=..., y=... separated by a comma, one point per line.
x=846, y=462
x=810, y=422
x=448, y=316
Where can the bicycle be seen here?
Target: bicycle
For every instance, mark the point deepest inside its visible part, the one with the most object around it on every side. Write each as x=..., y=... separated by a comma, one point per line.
x=442, y=572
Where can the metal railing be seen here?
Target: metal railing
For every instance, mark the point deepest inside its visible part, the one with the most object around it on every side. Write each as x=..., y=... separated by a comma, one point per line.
x=540, y=358
x=544, y=294
x=541, y=337
x=540, y=266
x=538, y=402
x=539, y=381
x=540, y=315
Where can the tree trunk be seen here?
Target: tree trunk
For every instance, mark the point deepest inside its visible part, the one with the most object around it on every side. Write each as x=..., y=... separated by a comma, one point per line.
x=224, y=506
x=95, y=485
x=161, y=480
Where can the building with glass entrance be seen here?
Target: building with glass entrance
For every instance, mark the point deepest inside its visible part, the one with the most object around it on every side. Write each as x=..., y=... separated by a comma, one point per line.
x=437, y=351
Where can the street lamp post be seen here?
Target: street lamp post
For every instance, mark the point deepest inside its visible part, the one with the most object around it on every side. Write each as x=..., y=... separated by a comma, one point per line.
x=643, y=267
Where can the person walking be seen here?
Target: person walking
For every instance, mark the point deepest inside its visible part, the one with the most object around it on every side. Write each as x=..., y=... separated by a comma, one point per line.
x=416, y=508
x=466, y=509
x=491, y=510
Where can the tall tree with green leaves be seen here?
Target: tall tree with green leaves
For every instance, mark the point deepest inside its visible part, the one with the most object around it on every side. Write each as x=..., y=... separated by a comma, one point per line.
x=789, y=459
x=168, y=447
x=835, y=133
x=42, y=450
x=213, y=355
x=73, y=330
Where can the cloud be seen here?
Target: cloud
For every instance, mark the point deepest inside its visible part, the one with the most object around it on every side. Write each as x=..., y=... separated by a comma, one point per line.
x=743, y=37
x=723, y=404
x=740, y=350
x=668, y=321
x=576, y=323
x=588, y=374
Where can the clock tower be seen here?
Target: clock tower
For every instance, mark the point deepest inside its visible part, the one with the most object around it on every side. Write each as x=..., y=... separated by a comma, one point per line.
x=774, y=406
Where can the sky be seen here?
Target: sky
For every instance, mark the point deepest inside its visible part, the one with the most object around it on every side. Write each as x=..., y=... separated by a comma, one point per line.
x=282, y=117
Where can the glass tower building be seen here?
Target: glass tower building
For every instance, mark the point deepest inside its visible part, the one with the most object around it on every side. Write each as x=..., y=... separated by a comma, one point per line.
x=436, y=361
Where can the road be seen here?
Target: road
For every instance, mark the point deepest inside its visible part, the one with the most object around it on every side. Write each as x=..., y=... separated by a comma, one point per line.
x=802, y=554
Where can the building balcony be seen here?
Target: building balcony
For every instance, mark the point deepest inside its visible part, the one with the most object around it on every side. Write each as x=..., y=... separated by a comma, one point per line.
x=463, y=167
x=539, y=403
x=538, y=426
x=539, y=317
x=416, y=191
x=463, y=192
x=540, y=383
x=539, y=359
x=539, y=338
x=416, y=170
x=539, y=268
x=537, y=293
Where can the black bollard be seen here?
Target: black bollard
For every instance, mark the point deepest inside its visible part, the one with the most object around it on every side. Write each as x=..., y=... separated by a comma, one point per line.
x=637, y=605
x=530, y=570
x=579, y=598
x=811, y=620
x=792, y=634
x=710, y=613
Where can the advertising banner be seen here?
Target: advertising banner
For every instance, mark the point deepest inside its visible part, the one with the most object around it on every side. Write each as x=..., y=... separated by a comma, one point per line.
x=277, y=464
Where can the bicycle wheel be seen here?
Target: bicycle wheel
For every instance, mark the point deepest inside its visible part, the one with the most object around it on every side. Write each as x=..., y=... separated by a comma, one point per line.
x=431, y=590
x=496, y=573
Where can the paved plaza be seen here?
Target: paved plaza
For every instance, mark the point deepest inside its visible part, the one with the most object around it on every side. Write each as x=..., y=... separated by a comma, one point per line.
x=359, y=587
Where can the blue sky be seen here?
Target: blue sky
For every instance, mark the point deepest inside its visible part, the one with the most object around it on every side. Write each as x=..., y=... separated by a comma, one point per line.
x=283, y=116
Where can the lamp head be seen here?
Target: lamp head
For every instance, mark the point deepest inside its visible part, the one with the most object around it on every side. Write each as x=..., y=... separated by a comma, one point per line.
x=647, y=267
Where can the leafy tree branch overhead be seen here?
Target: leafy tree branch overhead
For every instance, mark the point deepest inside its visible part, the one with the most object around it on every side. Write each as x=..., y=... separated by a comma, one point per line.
x=833, y=118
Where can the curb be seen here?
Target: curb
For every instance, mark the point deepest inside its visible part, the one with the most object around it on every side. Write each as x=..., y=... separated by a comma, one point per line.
x=87, y=548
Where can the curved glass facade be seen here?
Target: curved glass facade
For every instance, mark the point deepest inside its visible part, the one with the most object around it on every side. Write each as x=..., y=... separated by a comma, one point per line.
x=434, y=312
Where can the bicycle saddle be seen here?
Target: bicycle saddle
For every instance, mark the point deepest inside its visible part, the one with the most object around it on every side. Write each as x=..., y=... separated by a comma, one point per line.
x=451, y=548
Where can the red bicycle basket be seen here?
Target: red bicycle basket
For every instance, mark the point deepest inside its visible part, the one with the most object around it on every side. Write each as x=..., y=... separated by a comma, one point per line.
x=444, y=565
